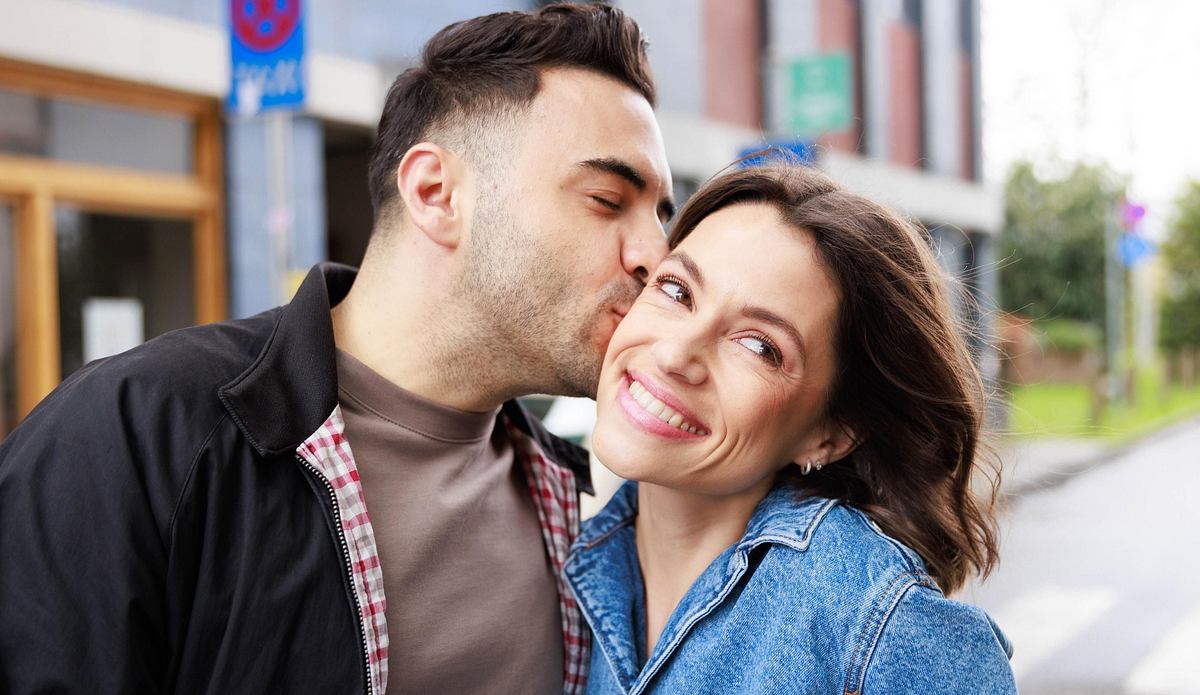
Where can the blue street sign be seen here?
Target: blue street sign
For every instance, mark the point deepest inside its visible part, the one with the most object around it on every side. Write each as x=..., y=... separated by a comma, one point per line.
x=778, y=152
x=266, y=40
x=1134, y=248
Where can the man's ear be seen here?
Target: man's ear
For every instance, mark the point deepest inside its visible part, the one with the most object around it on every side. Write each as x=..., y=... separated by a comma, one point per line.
x=429, y=179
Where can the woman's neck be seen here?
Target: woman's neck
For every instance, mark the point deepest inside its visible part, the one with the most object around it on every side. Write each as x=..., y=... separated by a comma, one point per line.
x=679, y=534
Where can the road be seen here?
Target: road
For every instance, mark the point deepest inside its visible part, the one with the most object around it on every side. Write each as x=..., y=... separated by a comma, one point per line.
x=1099, y=579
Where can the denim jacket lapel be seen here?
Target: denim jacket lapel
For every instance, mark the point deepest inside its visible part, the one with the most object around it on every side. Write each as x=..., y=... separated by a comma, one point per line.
x=603, y=571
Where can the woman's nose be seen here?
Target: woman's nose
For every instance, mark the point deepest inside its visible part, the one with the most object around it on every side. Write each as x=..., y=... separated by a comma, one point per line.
x=681, y=356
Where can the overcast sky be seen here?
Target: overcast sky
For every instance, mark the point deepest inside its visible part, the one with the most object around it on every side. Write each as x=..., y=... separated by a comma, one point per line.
x=1097, y=80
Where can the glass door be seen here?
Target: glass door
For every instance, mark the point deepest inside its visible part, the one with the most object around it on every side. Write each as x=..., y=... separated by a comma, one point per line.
x=122, y=280
x=111, y=230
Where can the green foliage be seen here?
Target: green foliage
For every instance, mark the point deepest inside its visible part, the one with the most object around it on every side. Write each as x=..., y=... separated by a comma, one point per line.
x=1066, y=335
x=1053, y=242
x=1062, y=410
x=1180, y=325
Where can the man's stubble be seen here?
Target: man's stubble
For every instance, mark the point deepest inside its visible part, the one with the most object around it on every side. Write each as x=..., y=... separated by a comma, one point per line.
x=533, y=329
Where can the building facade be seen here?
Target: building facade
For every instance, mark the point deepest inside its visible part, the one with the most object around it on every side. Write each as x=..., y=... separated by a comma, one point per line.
x=132, y=203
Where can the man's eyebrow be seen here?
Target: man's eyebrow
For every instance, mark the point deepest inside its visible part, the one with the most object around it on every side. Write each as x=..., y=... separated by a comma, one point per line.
x=769, y=317
x=689, y=265
x=612, y=165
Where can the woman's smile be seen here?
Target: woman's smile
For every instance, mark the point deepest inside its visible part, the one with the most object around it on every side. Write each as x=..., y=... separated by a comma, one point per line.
x=646, y=405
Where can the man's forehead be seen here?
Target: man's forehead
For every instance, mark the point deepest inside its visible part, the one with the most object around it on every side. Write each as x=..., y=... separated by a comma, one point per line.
x=585, y=116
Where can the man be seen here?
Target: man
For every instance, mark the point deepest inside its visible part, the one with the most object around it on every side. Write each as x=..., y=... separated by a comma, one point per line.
x=340, y=495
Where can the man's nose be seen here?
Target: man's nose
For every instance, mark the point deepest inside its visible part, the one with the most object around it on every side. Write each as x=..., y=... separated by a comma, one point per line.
x=644, y=249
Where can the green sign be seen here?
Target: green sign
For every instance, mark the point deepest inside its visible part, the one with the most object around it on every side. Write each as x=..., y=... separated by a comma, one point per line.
x=820, y=96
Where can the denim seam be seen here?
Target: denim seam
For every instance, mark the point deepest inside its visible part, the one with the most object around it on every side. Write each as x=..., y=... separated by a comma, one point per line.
x=873, y=629
x=588, y=545
x=646, y=676
x=596, y=642
x=904, y=552
x=800, y=543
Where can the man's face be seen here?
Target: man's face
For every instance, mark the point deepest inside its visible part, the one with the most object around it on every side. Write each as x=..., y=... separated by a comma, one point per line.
x=562, y=244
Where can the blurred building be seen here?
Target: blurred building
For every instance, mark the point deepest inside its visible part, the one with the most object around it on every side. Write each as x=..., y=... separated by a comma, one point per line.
x=132, y=204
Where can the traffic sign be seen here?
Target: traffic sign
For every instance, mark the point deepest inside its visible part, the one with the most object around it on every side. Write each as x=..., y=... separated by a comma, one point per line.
x=1134, y=248
x=1132, y=215
x=820, y=96
x=778, y=152
x=266, y=39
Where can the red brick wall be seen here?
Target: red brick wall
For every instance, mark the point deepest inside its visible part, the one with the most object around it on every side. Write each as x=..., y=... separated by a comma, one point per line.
x=837, y=29
x=904, y=97
x=732, y=62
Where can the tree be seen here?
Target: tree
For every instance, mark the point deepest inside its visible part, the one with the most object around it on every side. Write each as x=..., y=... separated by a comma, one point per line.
x=1052, y=244
x=1180, y=325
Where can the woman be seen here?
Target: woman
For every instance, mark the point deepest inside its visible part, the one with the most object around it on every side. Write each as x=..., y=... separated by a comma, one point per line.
x=803, y=420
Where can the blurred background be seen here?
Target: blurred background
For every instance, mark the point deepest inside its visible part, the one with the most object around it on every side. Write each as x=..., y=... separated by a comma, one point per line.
x=171, y=162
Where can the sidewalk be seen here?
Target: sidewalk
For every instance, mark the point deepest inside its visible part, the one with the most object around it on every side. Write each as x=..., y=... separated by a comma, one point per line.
x=1038, y=464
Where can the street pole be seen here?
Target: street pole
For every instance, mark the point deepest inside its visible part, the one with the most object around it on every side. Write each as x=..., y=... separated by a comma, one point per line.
x=279, y=211
x=1114, y=304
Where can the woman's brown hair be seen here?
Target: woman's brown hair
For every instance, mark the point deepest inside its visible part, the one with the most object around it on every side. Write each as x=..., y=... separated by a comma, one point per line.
x=904, y=384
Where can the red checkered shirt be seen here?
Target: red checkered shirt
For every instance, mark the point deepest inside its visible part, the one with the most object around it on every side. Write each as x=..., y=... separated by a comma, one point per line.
x=556, y=499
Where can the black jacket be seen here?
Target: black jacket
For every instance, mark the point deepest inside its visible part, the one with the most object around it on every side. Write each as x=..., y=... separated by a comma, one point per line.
x=157, y=533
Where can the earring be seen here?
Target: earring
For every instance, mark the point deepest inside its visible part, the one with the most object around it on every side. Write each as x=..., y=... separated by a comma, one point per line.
x=808, y=467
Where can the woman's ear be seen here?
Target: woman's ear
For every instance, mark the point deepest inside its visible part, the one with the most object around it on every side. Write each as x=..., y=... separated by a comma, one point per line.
x=835, y=441
x=841, y=442
x=429, y=178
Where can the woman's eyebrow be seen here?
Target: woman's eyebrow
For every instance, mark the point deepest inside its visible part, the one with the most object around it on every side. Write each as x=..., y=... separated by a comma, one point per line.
x=689, y=265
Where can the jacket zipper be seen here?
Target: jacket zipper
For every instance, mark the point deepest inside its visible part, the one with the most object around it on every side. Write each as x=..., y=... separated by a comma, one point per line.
x=349, y=566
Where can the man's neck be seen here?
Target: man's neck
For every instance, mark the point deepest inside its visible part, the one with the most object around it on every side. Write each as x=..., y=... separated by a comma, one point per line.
x=407, y=333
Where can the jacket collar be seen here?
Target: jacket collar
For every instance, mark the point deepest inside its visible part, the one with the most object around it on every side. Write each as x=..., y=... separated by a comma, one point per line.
x=786, y=515
x=562, y=452
x=291, y=388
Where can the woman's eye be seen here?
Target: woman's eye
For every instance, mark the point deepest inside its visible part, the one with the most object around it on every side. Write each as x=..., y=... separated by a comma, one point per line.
x=675, y=290
x=763, y=348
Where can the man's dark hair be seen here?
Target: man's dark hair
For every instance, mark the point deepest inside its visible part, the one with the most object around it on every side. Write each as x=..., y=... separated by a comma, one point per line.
x=491, y=64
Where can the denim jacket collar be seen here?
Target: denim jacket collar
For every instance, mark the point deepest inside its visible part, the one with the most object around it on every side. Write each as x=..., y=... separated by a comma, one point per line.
x=613, y=598
x=784, y=516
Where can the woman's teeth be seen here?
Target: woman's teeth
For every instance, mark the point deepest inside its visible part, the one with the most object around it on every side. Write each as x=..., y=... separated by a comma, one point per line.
x=659, y=409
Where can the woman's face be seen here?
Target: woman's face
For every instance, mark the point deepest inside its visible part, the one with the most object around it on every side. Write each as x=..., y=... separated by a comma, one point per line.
x=718, y=375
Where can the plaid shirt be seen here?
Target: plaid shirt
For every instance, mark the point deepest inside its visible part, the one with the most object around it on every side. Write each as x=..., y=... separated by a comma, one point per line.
x=554, y=492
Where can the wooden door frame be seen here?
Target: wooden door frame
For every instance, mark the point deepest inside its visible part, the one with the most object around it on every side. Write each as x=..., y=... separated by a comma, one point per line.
x=34, y=185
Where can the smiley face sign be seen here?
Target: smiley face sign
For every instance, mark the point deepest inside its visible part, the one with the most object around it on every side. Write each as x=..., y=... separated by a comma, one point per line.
x=267, y=50
x=264, y=25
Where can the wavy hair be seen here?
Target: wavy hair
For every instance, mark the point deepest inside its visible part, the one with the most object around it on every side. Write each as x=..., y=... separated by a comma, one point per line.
x=904, y=383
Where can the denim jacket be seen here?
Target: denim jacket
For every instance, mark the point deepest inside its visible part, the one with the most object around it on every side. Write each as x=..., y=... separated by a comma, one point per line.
x=813, y=599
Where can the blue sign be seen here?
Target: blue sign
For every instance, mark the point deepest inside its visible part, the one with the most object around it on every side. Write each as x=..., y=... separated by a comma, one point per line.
x=1134, y=248
x=266, y=40
x=778, y=152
